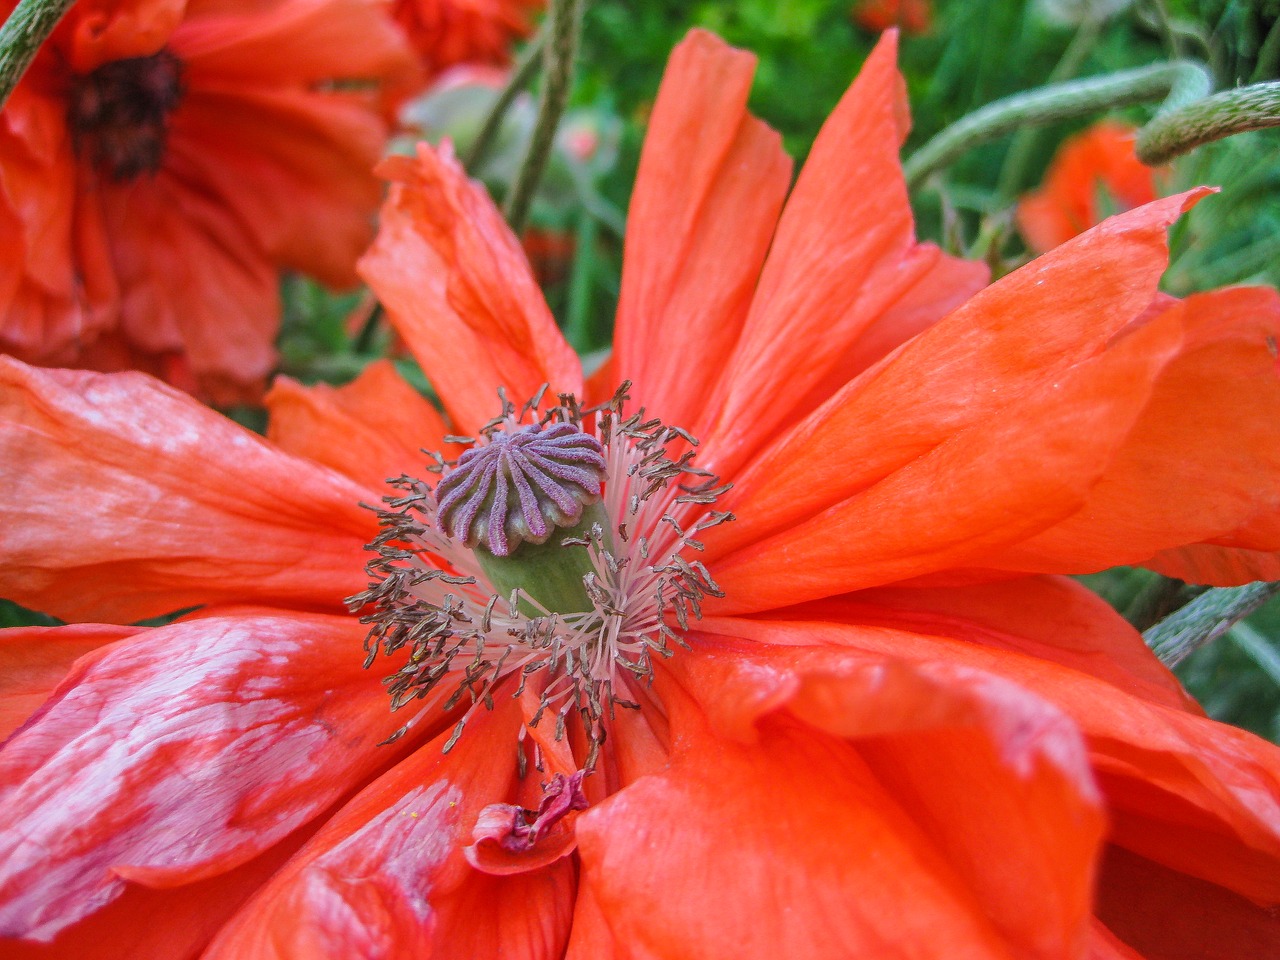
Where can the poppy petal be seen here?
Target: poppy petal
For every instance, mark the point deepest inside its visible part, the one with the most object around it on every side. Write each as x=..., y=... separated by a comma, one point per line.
x=990, y=484
x=836, y=263
x=1194, y=795
x=180, y=754
x=34, y=660
x=1179, y=479
x=119, y=479
x=372, y=429
x=1015, y=336
x=1175, y=917
x=386, y=877
x=711, y=183
x=673, y=861
x=1051, y=618
x=145, y=923
x=458, y=288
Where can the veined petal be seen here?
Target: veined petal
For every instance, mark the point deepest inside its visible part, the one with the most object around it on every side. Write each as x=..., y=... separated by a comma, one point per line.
x=179, y=755
x=797, y=845
x=711, y=182
x=146, y=923
x=298, y=173
x=458, y=289
x=372, y=429
x=115, y=479
x=385, y=879
x=977, y=762
x=993, y=483
x=34, y=660
x=1180, y=479
x=1051, y=618
x=193, y=280
x=1170, y=915
x=299, y=42
x=1017, y=335
x=1194, y=795
x=837, y=262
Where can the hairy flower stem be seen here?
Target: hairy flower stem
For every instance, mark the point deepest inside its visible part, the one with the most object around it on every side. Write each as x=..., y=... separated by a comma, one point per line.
x=564, y=20
x=27, y=27
x=1176, y=83
x=521, y=75
x=1174, y=132
x=1205, y=618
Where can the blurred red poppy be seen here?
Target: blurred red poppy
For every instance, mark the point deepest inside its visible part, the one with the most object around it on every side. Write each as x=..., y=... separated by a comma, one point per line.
x=162, y=161
x=1094, y=175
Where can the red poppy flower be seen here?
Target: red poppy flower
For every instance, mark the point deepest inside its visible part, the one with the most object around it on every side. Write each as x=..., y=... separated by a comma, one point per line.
x=162, y=160
x=911, y=16
x=894, y=730
x=450, y=32
x=1095, y=174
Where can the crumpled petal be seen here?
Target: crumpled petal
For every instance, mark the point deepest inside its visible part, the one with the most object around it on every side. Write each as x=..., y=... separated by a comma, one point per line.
x=1179, y=478
x=180, y=754
x=372, y=429
x=711, y=183
x=1194, y=795
x=827, y=834
x=386, y=878
x=182, y=505
x=34, y=660
x=458, y=288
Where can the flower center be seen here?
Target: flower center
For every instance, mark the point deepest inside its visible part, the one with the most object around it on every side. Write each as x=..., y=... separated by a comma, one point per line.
x=119, y=113
x=552, y=553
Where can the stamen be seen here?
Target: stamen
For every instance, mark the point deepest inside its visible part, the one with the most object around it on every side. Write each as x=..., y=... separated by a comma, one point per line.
x=478, y=625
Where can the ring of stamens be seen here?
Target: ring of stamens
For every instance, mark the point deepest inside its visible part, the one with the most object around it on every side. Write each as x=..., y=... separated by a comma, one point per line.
x=429, y=594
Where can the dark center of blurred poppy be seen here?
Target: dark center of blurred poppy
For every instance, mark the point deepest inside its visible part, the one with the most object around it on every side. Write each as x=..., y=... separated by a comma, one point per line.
x=119, y=113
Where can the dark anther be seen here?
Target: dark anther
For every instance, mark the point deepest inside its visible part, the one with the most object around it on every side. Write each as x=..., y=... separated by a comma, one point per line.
x=119, y=113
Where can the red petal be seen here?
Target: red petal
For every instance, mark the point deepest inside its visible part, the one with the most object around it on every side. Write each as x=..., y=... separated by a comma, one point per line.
x=801, y=844
x=835, y=265
x=992, y=483
x=711, y=182
x=34, y=660
x=386, y=877
x=1051, y=618
x=374, y=428
x=1197, y=796
x=171, y=924
x=179, y=755
x=118, y=479
x=1202, y=463
x=457, y=287
x=1175, y=917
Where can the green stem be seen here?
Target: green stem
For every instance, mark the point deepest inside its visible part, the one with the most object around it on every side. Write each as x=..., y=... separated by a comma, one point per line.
x=1176, y=131
x=577, y=322
x=1024, y=141
x=1205, y=618
x=564, y=20
x=1176, y=83
x=27, y=27
x=521, y=75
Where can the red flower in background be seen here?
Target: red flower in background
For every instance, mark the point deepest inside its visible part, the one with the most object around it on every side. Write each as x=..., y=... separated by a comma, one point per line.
x=898, y=733
x=162, y=161
x=1094, y=174
x=450, y=32
x=911, y=16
